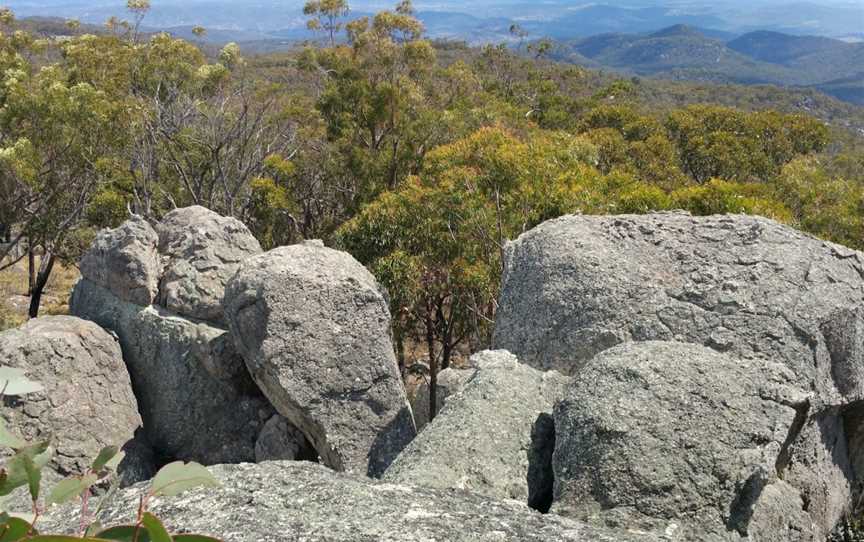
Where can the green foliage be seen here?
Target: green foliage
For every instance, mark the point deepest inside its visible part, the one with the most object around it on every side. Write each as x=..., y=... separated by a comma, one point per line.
x=24, y=468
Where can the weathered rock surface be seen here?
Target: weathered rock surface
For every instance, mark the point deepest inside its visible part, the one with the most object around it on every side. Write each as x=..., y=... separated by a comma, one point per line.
x=201, y=251
x=281, y=441
x=656, y=435
x=480, y=440
x=87, y=403
x=195, y=396
x=125, y=261
x=451, y=381
x=745, y=286
x=749, y=286
x=294, y=501
x=314, y=329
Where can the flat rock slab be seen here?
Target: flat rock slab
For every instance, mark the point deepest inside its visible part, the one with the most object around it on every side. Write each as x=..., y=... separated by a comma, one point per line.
x=298, y=501
x=314, y=329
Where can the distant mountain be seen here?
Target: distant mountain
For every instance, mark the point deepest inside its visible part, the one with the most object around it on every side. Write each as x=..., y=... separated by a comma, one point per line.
x=592, y=19
x=683, y=52
x=780, y=48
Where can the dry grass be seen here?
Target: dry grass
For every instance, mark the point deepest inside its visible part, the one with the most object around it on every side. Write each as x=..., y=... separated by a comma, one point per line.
x=14, y=301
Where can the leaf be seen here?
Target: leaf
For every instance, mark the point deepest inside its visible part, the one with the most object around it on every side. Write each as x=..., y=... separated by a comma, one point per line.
x=194, y=538
x=61, y=538
x=105, y=455
x=175, y=478
x=70, y=488
x=34, y=478
x=8, y=439
x=14, y=381
x=24, y=468
x=13, y=529
x=124, y=533
x=93, y=528
x=115, y=461
x=155, y=528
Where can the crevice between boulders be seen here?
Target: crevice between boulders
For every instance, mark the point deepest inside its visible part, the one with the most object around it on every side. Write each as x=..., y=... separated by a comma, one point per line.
x=541, y=476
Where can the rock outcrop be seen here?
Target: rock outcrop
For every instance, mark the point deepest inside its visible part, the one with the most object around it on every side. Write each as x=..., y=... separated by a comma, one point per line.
x=480, y=440
x=658, y=434
x=195, y=395
x=314, y=329
x=280, y=501
x=87, y=402
x=749, y=286
x=761, y=294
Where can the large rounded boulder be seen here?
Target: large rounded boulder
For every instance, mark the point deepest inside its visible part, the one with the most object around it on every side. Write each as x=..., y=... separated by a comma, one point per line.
x=125, y=261
x=749, y=286
x=87, y=402
x=314, y=329
x=678, y=438
x=201, y=251
x=756, y=293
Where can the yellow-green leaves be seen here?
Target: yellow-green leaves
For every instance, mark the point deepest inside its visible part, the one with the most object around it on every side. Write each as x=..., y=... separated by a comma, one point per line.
x=14, y=381
x=24, y=469
x=71, y=488
x=177, y=477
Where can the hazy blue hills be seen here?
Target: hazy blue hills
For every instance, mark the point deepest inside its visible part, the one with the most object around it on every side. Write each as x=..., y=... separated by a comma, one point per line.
x=682, y=52
x=735, y=41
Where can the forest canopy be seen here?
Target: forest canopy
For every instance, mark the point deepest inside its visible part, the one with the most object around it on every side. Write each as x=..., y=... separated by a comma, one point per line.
x=421, y=159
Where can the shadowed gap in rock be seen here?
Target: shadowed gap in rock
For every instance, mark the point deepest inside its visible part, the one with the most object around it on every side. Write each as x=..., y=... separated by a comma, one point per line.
x=541, y=478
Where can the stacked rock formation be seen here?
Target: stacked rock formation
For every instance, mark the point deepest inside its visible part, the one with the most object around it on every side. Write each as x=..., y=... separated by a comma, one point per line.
x=752, y=428
x=160, y=291
x=657, y=377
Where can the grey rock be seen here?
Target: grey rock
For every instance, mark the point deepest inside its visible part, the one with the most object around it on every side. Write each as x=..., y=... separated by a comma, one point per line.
x=451, y=381
x=300, y=501
x=480, y=440
x=749, y=286
x=197, y=401
x=314, y=330
x=201, y=251
x=87, y=403
x=125, y=261
x=281, y=441
x=417, y=381
x=746, y=286
x=659, y=435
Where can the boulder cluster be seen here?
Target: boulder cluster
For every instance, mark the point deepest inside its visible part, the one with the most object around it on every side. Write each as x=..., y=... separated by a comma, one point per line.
x=657, y=377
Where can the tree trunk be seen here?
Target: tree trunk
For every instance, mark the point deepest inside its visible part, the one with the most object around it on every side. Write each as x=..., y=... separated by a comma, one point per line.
x=433, y=366
x=45, y=268
x=31, y=270
x=400, y=352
